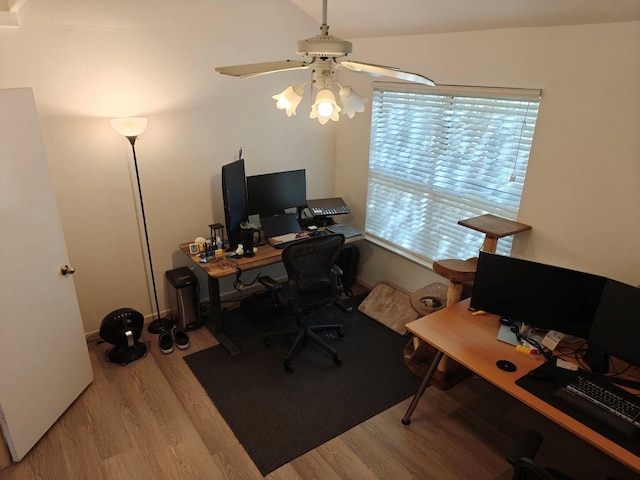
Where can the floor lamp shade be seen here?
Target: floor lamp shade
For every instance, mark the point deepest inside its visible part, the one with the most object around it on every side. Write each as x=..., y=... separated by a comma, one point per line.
x=131, y=127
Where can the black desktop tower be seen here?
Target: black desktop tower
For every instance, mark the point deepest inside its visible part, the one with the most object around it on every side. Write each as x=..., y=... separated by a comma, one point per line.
x=348, y=263
x=183, y=298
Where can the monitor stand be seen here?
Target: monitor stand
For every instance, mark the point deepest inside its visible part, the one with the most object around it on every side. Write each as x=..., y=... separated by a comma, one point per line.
x=597, y=359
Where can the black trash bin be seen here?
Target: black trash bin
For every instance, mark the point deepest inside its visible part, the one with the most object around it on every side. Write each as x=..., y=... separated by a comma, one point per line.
x=184, y=292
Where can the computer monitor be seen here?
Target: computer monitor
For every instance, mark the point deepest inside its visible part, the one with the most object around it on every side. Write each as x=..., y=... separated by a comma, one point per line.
x=234, y=195
x=273, y=193
x=541, y=296
x=616, y=326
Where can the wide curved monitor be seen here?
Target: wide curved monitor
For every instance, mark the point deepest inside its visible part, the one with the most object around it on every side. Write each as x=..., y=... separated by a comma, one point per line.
x=539, y=295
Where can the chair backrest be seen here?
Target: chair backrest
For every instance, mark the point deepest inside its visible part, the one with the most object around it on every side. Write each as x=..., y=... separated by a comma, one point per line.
x=309, y=265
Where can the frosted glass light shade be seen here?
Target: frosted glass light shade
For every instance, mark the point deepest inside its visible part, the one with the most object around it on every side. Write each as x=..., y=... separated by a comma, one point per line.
x=289, y=99
x=351, y=101
x=129, y=127
x=325, y=108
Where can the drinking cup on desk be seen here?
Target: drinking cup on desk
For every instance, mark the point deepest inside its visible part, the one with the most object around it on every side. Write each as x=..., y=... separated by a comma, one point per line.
x=250, y=237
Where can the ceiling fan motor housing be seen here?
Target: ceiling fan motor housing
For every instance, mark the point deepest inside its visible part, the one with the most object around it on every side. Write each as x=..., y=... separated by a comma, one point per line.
x=324, y=46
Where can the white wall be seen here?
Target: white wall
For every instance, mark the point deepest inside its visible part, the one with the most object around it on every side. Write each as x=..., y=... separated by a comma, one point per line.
x=89, y=60
x=582, y=193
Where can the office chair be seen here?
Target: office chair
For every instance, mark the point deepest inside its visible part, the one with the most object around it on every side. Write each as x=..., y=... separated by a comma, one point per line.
x=312, y=283
x=521, y=456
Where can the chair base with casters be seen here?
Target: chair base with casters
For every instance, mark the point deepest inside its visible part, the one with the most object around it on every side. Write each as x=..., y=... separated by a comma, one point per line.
x=305, y=333
x=313, y=282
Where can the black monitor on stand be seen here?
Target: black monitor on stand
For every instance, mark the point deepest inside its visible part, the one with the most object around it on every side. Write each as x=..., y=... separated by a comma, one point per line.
x=616, y=327
x=272, y=193
x=234, y=195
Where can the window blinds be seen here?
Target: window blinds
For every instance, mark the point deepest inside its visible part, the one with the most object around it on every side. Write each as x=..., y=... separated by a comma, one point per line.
x=439, y=155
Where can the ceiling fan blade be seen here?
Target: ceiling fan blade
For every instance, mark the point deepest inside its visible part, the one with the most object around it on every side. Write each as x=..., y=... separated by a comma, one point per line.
x=380, y=70
x=255, y=69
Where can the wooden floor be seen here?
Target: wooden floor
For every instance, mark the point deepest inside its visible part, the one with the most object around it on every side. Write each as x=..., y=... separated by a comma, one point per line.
x=152, y=420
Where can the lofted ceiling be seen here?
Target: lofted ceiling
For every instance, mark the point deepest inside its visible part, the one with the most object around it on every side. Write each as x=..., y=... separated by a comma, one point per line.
x=9, y=12
x=379, y=18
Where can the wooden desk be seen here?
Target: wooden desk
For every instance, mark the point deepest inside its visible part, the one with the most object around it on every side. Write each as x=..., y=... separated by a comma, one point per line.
x=471, y=341
x=224, y=267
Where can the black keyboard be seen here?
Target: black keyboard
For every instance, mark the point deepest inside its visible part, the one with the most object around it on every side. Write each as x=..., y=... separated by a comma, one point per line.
x=604, y=403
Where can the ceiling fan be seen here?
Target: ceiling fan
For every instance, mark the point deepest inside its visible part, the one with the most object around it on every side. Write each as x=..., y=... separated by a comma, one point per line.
x=326, y=53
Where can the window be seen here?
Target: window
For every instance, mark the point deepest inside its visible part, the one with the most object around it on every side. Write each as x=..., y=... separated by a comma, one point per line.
x=443, y=154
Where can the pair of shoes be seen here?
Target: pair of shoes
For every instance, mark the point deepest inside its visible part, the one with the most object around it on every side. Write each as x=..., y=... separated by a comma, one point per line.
x=168, y=337
x=180, y=337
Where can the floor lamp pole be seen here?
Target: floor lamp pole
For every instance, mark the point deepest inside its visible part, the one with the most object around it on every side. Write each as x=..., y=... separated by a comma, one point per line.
x=130, y=128
x=160, y=324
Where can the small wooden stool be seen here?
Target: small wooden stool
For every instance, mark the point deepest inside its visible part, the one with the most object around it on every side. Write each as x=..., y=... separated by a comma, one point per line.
x=458, y=272
x=418, y=354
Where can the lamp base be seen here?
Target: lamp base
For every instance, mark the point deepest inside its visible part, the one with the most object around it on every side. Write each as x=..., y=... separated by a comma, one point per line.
x=159, y=325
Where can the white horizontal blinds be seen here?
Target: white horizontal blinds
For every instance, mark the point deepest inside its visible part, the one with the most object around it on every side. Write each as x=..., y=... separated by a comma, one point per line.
x=444, y=156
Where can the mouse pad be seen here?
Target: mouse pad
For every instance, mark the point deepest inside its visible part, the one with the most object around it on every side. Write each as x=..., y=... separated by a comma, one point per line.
x=547, y=378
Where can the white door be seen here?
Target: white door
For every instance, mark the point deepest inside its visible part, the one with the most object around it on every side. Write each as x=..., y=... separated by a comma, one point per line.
x=44, y=361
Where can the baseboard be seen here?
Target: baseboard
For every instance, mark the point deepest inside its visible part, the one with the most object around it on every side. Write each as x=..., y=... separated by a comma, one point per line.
x=94, y=335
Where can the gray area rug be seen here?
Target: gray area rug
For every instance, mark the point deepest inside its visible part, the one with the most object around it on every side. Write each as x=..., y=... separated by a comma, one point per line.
x=278, y=416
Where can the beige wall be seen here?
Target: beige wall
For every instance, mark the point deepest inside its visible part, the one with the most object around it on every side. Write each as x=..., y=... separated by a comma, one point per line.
x=88, y=61
x=582, y=193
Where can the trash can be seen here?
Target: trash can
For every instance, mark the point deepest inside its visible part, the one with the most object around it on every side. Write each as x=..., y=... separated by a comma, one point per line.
x=184, y=293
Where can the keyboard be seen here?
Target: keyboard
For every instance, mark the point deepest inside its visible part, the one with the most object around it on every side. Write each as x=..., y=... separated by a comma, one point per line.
x=282, y=241
x=346, y=230
x=604, y=403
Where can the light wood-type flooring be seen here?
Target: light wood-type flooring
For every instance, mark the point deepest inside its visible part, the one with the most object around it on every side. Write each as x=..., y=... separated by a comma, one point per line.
x=152, y=420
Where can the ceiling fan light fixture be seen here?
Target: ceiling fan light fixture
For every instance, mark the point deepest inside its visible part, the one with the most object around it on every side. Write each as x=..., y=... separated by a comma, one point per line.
x=352, y=103
x=289, y=99
x=327, y=53
x=325, y=107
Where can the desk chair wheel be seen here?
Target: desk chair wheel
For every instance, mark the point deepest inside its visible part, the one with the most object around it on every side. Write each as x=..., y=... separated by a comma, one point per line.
x=336, y=360
x=340, y=333
x=287, y=367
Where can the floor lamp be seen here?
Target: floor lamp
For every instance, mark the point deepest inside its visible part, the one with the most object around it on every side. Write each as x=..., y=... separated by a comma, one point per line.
x=132, y=128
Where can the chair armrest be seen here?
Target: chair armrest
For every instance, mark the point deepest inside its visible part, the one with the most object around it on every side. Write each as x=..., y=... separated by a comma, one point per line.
x=337, y=270
x=269, y=283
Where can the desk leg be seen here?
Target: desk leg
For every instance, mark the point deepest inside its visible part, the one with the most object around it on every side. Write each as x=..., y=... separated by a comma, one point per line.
x=215, y=323
x=406, y=420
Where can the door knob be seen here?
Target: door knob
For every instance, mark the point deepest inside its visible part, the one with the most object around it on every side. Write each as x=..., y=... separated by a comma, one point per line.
x=67, y=270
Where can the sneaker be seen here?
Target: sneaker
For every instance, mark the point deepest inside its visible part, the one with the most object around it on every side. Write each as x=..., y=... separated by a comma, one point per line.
x=180, y=337
x=166, y=342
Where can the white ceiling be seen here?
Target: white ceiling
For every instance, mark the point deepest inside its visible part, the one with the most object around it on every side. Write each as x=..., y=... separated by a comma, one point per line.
x=374, y=18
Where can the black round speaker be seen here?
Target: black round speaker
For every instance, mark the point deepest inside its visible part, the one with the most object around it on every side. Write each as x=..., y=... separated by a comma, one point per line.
x=122, y=329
